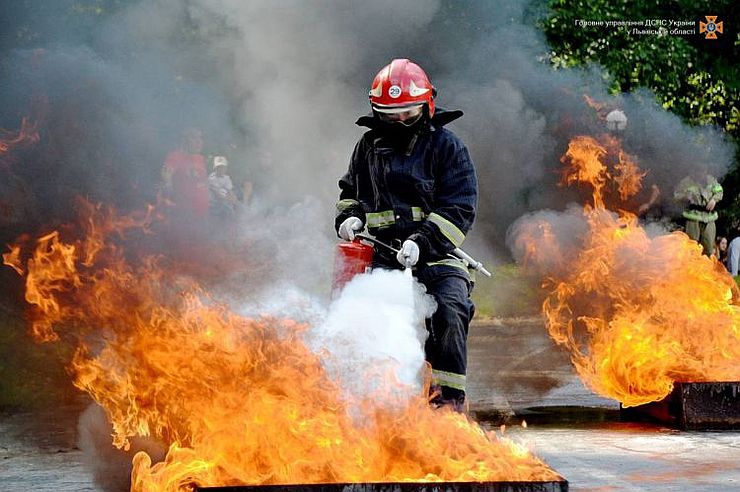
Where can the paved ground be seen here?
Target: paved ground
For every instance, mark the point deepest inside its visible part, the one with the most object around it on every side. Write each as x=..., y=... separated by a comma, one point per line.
x=515, y=373
x=38, y=451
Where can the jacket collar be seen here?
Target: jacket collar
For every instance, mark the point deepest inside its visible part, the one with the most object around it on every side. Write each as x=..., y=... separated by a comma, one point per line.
x=441, y=118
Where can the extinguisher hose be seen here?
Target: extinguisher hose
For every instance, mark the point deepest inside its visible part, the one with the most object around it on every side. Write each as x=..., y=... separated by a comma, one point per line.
x=457, y=254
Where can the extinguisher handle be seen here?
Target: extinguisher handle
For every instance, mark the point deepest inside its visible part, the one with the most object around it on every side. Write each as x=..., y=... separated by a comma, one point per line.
x=376, y=242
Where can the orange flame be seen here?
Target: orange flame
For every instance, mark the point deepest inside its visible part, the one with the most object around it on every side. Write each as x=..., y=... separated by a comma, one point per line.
x=584, y=155
x=13, y=259
x=238, y=400
x=600, y=108
x=637, y=312
x=587, y=162
x=592, y=103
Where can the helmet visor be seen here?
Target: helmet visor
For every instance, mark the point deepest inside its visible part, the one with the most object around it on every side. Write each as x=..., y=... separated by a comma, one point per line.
x=407, y=115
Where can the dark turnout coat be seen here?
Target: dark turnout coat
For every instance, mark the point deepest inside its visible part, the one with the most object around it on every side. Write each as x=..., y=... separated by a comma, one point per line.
x=426, y=191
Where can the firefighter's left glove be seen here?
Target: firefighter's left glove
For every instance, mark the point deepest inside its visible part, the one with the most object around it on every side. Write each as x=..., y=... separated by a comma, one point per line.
x=408, y=255
x=348, y=228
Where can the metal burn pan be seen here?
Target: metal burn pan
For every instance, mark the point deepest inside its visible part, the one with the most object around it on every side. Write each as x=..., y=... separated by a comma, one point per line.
x=552, y=486
x=693, y=406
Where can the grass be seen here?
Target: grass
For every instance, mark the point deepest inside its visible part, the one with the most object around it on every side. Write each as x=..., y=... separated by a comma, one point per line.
x=509, y=292
x=32, y=375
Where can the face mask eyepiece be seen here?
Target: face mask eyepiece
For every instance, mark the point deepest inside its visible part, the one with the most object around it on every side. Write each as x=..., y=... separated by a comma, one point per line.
x=406, y=116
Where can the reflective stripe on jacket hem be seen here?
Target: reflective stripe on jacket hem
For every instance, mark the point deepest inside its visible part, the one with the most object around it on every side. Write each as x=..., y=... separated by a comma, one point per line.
x=387, y=217
x=700, y=216
x=380, y=219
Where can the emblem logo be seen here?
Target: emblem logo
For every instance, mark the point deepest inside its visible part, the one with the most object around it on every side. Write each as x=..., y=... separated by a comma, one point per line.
x=711, y=27
x=394, y=91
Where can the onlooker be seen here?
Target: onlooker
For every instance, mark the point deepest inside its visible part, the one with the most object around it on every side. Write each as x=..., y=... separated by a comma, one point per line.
x=184, y=176
x=701, y=195
x=185, y=185
x=222, y=199
x=733, y=256
x=720, y=250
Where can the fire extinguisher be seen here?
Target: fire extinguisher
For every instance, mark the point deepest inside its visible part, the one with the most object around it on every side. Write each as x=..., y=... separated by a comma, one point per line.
x=351, y=259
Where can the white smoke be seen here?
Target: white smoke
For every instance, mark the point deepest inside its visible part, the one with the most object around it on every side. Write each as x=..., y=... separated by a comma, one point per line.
x=371, y=337
x=376, y=327
x=110, y=466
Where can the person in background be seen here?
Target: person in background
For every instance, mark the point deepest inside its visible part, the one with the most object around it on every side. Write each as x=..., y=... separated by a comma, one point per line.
x=185, y=187
x=185, y=178
x=720, y=250
x=733, y=256
x=221, y=189
x=646, y=198
x=700, y=195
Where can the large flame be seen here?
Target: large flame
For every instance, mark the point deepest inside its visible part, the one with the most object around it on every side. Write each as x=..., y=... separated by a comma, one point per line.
x=237, y=400
x=637, y=312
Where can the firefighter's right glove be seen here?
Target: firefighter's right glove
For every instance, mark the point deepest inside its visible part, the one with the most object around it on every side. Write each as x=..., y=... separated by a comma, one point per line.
x=348, y=228
x=408, y=255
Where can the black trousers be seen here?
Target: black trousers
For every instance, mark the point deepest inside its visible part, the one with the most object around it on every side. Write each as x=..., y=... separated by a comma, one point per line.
x=446, y=346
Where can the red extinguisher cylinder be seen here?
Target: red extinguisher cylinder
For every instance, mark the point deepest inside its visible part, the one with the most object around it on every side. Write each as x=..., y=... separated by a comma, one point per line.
x=351, y=259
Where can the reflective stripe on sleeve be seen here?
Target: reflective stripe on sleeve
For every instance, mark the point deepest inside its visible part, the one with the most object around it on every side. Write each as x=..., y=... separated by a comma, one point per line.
x=387, y=217
x=343, y=205
x=449, y=379
x=448, y=229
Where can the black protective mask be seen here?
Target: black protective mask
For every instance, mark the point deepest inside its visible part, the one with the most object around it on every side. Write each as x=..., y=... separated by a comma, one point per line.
x=399, y=135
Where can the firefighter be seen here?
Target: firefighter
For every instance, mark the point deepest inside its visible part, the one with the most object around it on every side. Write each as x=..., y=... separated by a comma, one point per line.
x=412, y=183
x=643, y=201
x=700, y=194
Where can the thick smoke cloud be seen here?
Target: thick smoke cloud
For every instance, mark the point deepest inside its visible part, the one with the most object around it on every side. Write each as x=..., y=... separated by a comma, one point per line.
x=276, y=88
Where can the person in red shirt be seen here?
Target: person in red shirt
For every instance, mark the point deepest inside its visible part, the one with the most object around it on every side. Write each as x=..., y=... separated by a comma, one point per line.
x=185, y=177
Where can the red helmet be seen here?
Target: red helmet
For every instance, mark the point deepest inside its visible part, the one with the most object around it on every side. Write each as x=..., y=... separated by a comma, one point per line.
x=401, y=84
